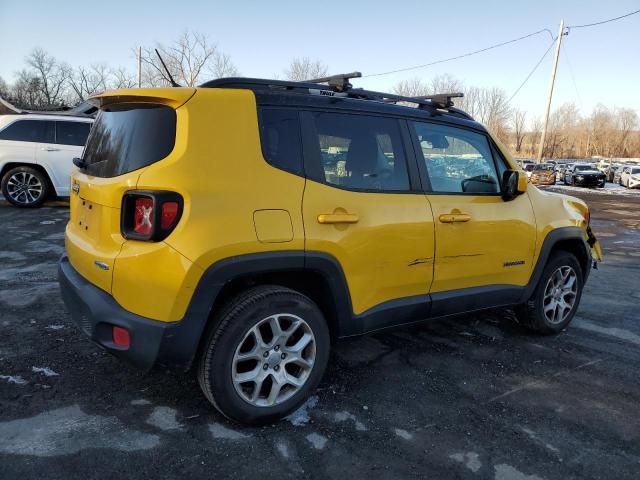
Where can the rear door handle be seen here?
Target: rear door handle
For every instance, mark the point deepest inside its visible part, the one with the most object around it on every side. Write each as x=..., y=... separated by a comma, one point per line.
x=454, y=217
x=50, y=149
x=337, y=218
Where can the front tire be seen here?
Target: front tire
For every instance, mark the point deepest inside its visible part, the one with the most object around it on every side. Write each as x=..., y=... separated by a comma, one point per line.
x=264, y=354
x=555, y=300
x=25, y=187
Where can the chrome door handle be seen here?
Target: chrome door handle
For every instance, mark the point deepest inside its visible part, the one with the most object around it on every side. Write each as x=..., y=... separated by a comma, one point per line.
x=454, y=217
x=325, y=218
x=50, y=149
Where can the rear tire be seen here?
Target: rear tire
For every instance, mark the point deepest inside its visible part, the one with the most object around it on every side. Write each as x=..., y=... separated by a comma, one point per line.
x=555, y=300
x=25, y=187
x=264, y=354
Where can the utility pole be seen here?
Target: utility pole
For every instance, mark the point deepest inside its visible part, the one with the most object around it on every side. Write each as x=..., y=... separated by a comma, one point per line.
x=139, y=67
x=553, y=79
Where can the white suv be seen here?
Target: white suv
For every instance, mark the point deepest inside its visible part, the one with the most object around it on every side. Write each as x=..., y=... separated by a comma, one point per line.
x=36, y=155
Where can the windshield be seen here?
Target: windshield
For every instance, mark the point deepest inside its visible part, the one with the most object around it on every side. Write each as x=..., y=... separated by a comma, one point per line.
x=127, y=137
x=583, y=167
x=635, y=171
x=543, y=167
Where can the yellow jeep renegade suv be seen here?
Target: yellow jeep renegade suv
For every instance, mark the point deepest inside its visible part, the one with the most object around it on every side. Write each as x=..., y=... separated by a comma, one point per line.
x=242, y=225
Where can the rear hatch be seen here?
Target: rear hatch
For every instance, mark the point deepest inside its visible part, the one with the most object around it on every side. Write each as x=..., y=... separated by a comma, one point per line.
x=134, y=129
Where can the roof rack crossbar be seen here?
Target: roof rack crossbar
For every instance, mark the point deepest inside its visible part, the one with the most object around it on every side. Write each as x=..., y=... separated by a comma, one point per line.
x=441, y=100
x=341, y=82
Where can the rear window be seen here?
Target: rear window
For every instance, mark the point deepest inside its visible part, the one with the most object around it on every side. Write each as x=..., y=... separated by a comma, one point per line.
x=72, y=133
x=128, y=137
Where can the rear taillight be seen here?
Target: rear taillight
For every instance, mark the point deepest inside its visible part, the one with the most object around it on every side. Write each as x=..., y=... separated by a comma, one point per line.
x=150, y=216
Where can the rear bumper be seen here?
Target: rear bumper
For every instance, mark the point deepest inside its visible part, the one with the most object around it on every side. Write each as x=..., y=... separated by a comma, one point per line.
x=152, y=343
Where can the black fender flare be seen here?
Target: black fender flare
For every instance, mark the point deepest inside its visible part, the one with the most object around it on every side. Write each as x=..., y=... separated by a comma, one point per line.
x=182, y=342
x=552, y=240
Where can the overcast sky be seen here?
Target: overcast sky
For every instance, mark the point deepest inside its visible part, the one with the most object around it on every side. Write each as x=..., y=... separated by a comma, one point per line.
x=370, y=36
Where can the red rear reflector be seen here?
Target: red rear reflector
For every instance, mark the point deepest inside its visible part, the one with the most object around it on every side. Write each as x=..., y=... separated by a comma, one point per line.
x=169, y=214
x=121, y=337
x=143, y=216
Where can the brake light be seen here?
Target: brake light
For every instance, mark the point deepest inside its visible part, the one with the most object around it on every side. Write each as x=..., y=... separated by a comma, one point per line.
x=587, y=216
x=149, y=215
x=169, y=214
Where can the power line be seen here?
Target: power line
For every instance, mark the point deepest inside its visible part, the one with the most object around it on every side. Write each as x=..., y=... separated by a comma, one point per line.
x=604, y=21
x=459, y=56
x=532, y=71
x=573, y=78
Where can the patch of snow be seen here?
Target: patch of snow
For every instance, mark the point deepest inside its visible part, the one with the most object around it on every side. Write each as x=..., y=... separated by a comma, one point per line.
x=301, y=415
x=68, y=430
x=470, y=460
x=54, y=327
x=17, y=379
x=403, y=434
x=44, y=370
x=140, y=401
x=218, y=430
x=316, y=440
x=344, y=416
x=164, y=418
x=507, y=472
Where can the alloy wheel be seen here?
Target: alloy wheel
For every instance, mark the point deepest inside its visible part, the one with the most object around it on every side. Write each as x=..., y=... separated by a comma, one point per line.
x=274, y=360
x=24, y=188
x=560, y=294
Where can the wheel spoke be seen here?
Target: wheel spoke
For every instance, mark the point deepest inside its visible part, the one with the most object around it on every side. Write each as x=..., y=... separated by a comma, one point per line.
x=276, y=386
x=295, y=381
x=300, y=345
x=274, y=324
x=301, y=362
x=250, y=376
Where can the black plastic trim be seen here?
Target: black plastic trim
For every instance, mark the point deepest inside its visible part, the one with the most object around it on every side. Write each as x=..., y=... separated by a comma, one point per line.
x=175, y=344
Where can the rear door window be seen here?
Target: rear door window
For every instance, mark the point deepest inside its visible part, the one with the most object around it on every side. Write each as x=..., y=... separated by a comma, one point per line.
x=40, y=131
x=72, y=133
x=128, y=137
x=359, y=152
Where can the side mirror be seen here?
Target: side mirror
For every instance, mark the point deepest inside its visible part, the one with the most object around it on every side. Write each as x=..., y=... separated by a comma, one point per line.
x=80, y=163
x=514, y=183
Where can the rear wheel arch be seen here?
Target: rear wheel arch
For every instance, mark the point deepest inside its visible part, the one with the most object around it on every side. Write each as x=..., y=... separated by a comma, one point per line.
x=315, y=275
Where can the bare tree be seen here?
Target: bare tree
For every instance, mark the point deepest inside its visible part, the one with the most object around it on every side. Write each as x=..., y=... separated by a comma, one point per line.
x=122, y=78
x=90, y=81
x=518, y=119
x=305, y=69
x=187, y=59
x=52, y=76
x=439, y=84
x=411, y=88
x=4, y=88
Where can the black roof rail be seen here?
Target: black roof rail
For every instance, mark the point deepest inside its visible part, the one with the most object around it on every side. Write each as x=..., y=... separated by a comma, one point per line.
x=340, y=86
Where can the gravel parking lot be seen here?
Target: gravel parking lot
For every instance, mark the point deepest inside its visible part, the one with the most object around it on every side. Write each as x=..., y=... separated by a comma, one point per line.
x=470, y=397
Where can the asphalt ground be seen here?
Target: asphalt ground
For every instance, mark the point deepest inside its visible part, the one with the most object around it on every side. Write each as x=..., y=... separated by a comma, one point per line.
x=473, y=396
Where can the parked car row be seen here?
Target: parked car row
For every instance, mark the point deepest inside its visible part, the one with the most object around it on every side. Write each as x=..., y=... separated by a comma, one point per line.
x=582, y=174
